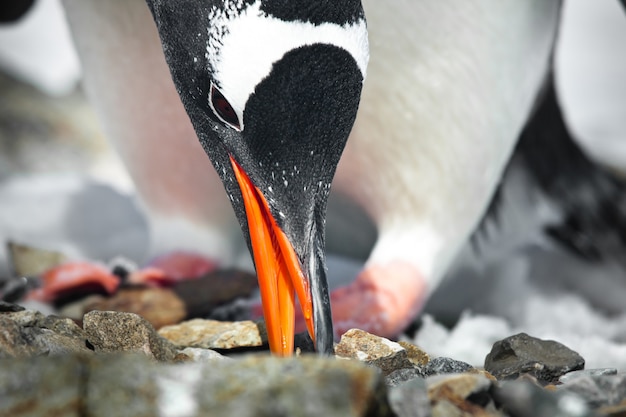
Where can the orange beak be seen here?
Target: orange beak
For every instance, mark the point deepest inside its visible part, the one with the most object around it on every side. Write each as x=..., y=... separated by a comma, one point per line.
x=279, y=270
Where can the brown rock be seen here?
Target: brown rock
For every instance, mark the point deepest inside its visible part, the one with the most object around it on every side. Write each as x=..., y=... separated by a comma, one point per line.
x=28, y=261
x=110, y=331
x=212, y=334
x=373, y=350
x=460, y=395
x=160, y=306
x=416, y=355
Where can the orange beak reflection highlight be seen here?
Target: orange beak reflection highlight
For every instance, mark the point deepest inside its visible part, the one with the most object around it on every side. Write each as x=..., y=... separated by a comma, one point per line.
x=278, y=269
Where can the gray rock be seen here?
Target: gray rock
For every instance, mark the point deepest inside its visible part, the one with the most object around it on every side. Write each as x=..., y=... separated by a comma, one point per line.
x=30, y=333
x=373, y=350
x=570, y=376
x=598, y=391
x=525, y=399
x=133, y=385
x=546, y=360
x=403, y=375
x=123, y=386
x=202, y=355
x=60, y=325
x=6, y=307
x=110, y=331
x=410, y=398
x=13, y=342
x=41, y=387
x=443, y=365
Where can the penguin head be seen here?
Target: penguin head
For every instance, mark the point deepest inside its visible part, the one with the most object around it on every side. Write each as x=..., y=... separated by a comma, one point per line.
x=272, y=88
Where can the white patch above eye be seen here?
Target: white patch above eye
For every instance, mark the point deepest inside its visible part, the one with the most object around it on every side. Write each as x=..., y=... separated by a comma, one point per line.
x=245, y=43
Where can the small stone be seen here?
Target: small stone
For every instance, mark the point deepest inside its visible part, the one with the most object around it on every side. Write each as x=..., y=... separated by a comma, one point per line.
x=202, y=295
x=133, y=385
x=13, y=343
x=29, y=261
x=41, y=386
x=597, y=391
x=28, y=333
x=525, y=399
x=468, y=393
x=416, y=355
x=160, y=306
x=403, y=375
x=211, y=334
x=570, y=376
x=110, y=331
x=261, y=385
x=202, y=355
x=444, y=365
x=410, y=398
x=547, y=360
x=613, y=410
x=10, y=307
x=123, y=386
x=373, y=350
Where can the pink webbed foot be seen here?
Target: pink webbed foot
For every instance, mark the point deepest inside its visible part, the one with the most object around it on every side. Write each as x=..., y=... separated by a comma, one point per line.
x=383, y=299
x=173, y=267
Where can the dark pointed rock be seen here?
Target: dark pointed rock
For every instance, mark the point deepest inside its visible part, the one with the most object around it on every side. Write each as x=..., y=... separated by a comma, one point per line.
x=521, y=354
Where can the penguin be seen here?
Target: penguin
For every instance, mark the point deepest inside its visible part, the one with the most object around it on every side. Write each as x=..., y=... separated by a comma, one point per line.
x=269, y=90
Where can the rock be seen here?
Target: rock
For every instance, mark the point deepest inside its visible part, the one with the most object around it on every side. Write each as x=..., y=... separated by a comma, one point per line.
x=403, y=375
x=29, y=261
x=6, y=307
x=373, y=350
x=416, y=355
x=160, y=306
x=410, y=398
x=125, y=386
x=28, y=333
x=202, y=295
x=570, y=376
x=133, y=385
x=547, y=360
x=202, y=355
x=41, y=387
x=525, y=399
x=13, y=342
x=468, y=394
x=443, y=365
x=306, y=386
x=612, y=411
x=110, y=331
x=597, y=391
x=211, y=334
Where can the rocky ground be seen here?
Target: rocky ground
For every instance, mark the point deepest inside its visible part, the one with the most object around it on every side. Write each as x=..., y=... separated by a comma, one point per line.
x=117, y=364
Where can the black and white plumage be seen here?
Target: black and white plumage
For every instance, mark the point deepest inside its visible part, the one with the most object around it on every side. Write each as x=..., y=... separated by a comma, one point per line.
x=276, y=87
x=450, y=87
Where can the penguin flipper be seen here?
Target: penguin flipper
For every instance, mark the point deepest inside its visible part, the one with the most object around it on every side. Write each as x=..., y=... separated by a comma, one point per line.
x=592, y=199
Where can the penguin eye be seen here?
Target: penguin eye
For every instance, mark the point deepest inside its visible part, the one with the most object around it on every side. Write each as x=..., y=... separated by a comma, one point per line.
x=222, y=108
